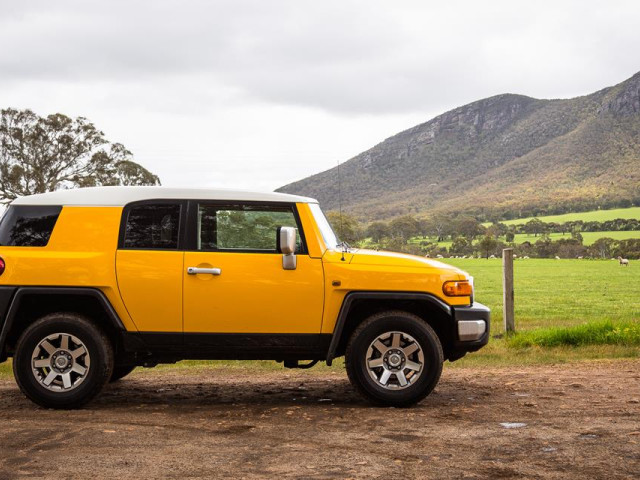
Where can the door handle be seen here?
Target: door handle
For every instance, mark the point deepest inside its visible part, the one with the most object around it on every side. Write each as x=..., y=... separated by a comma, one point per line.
x=197, y=270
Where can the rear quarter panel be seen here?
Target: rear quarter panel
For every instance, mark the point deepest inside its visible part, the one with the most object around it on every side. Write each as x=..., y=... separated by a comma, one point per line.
x=81, y=253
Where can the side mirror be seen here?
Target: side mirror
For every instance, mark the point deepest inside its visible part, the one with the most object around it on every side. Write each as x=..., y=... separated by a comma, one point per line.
x=287, y=246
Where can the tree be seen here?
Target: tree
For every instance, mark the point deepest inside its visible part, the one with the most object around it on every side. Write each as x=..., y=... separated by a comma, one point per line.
x=398, y=244
x=42, y=154
x=405, y=227
x=497, y=229
x=487, y=245
x=346, y=226
x=510, y=236
x=535, y=226
x=629, y=248
x=602, y=247
x=570, y=248
x=377, y=231
x=423, y=227
x=577, y=236
x=545, y=248
x=467, y=226
x=438, y=226
x=461, y=246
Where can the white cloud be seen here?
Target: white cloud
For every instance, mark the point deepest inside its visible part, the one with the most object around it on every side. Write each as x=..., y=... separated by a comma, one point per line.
x=256, y=94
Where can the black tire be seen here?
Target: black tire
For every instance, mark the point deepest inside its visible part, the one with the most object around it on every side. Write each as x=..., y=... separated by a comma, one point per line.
x=378, y=325
x=121, y=371
x=98, y=372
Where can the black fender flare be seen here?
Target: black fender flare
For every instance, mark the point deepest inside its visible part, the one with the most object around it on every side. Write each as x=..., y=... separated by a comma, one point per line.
x=11, y=297
x=377, y=295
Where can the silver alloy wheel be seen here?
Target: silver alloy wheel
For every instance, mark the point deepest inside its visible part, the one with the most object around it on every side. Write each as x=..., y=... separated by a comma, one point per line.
x=60, y=362
x=395, y=360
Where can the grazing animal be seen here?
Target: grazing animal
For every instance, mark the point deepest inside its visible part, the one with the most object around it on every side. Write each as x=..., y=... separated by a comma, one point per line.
x=623, y=261
x=492, y=256
x=579, y=258
x=525, y=257
x=557, y=257
x=438, y=256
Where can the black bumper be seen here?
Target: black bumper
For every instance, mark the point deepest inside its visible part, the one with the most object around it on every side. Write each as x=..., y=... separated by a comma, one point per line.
x=477, y=311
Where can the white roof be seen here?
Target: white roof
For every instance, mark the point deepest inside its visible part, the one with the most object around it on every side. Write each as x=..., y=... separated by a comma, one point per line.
x=119, y=196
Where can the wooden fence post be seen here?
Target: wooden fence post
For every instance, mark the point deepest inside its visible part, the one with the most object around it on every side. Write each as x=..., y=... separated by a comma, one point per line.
x=507, y=289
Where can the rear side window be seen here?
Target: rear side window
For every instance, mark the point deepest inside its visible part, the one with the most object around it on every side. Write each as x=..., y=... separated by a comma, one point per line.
x=153, y=226
x=28, y=226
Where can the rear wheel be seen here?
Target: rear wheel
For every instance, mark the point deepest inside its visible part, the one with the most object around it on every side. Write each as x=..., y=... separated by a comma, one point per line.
x=62, y=361
x=394, y=358
x=121, y=371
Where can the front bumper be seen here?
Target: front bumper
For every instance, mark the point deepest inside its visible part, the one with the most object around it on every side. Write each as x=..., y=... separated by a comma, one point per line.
x=472, y=325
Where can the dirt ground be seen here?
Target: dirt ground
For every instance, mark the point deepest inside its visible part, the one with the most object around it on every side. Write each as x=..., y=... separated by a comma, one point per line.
x=581, y=421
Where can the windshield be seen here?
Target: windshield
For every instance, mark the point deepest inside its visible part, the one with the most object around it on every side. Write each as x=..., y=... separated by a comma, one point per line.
x=329, y=237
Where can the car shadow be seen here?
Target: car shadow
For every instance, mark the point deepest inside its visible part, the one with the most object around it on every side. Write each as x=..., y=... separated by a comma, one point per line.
x=185, y=394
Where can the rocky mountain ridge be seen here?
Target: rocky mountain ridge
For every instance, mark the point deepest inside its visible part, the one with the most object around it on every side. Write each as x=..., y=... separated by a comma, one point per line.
x=503, y=156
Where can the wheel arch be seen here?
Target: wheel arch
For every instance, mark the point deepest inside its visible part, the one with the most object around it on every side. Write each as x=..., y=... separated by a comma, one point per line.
x=27, y=304
x=358, y=306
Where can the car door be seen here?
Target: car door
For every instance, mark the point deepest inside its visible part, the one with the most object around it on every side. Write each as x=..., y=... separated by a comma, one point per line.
x=244, y=287
x=149, y=264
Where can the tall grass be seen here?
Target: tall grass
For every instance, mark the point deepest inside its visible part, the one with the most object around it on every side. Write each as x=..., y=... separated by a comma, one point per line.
x=603, y=332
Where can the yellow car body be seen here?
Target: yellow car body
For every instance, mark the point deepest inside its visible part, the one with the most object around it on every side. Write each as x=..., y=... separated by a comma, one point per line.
x=156, y=309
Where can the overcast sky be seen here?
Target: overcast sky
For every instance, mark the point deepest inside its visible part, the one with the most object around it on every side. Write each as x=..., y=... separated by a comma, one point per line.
x=256, y=94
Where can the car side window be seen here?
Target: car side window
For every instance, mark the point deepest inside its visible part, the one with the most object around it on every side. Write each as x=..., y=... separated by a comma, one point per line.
x=152, y=226
x=242, y=228
x=28, y=226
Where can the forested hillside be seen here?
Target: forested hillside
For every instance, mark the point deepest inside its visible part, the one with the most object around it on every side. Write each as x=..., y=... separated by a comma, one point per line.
x=503, y=157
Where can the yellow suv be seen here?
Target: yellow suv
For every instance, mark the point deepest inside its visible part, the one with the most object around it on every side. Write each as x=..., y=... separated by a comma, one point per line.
x=97, y=281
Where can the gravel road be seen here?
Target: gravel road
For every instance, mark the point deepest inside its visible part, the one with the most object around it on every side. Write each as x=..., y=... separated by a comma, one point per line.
x=568, y=421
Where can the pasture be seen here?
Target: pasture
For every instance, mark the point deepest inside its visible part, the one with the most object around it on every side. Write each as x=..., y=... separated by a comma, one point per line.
x=591, y=216
x=588, y=238
x=555, y=293
x=551, y=293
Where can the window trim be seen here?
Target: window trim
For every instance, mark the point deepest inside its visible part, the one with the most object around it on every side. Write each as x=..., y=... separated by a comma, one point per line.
x=191, y=240
x=160, y=201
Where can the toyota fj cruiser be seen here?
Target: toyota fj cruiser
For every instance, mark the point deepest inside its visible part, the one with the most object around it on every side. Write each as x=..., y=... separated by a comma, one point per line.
x=97, y=281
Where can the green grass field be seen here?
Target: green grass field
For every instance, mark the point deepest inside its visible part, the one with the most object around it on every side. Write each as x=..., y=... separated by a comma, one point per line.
x=592, y=216
x=555, y=293
x=588, y=238
x=558, y=292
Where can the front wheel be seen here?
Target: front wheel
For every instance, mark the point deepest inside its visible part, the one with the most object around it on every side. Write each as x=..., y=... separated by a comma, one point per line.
x=394, y=359
x=62, y=361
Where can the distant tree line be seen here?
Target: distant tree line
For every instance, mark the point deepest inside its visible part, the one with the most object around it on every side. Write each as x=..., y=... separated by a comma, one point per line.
x=537, y=226
x=469, y=238
x=554, y=208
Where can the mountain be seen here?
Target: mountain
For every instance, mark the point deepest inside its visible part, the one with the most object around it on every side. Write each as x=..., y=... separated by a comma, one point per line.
x=502, y=157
